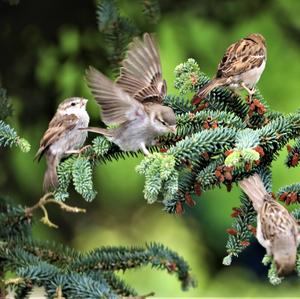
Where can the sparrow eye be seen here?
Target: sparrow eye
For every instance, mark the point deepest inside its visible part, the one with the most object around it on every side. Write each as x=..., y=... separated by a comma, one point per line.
x=163, y=122
x=73, y=104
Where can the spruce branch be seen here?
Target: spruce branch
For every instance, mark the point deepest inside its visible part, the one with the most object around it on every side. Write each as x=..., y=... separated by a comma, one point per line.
x=159, y=171
x=117, y=30
x=118, y=285
x=122, y=258
x=187, y=76
x=13, y=221
x=296, y=214
x=292, y=159
x=9, y=137
x=244, y=224
x=64, y=173
x=5, y=105
x=188, y=124
x=290, y=194
x=82, y=178
x=178, y=104
x=151, y=9
x=54, y=253
x=204, y=141
x=242, y=230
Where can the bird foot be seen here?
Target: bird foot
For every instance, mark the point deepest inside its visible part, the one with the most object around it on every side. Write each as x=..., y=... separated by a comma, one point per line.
x=144, y=149
x=251, y=92
x=84, y=149
x=78, y=152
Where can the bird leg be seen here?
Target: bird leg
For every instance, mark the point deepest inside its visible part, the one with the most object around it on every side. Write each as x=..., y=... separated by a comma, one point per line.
x=251, y=92
x=83, y=149
x=144, y=149
x=79, y=151
x=70, y=152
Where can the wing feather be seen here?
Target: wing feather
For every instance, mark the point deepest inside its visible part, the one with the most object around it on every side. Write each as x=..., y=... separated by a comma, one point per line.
x=117, y=106
x=276, y=220
x=58, y=126
x=141, y=74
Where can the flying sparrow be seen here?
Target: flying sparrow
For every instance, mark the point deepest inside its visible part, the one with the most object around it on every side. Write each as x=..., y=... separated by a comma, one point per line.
x=240, y=67
x=63, y=137
x=277, y=230
x=134, y=101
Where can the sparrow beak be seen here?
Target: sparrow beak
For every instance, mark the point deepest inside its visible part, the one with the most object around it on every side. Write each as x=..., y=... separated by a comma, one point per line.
x=172, y=129
x=83, y=102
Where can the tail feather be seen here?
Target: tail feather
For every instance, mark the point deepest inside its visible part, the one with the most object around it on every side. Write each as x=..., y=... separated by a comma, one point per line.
x=39, y=154
x=50, y=177
x=102, y=131
x=207, y=88
x=255, y=189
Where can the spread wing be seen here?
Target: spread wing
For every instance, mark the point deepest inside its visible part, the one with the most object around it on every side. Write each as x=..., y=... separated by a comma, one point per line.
x=276, y=220
x=141, y=74
x=59, y=126
x=117, y=105
x=241, y=57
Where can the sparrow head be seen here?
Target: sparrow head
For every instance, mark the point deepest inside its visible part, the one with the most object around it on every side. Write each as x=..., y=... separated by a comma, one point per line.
x=72, y=105
x=284, y=252
x=257, y=37
x=164, y=119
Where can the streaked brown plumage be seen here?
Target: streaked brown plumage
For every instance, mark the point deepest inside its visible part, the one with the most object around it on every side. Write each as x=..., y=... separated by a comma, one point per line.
x=63, y=137
x=240, y=67
x=134, y=101
x=277, y=230
x=141, y=74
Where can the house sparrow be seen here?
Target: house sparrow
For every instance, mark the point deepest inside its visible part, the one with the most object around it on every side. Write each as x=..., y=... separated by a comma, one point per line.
x=277, y=230
x=63, y=137
x=240, y=67
x=134, y=101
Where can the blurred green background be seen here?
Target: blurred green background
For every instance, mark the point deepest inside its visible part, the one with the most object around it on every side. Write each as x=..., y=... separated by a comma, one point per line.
x=45, y=47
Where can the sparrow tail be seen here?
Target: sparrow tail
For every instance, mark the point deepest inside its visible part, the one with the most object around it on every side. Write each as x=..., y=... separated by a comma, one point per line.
x=207, y=88
x=50, y=177
x=255, y=189
x=102, y=131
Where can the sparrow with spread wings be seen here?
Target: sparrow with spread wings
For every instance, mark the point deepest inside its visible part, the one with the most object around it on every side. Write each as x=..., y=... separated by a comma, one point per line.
x=240, y=67
x=63, y=137
x=277, y=229
x=134, y=101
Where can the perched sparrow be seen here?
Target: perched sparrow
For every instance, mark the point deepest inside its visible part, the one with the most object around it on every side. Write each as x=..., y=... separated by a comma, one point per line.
x=240, y=67
x=63, y=136
x=134, y=101
x=277, y=230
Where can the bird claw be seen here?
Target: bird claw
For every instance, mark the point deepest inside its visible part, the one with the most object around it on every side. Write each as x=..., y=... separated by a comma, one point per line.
x=84, y=149
x=144, y=149
x=78, y=152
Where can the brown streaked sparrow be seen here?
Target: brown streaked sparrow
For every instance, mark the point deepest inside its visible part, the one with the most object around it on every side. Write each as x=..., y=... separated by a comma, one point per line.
x=134, y=101
x=277, y=229
x=240, y=67
x=63, y=137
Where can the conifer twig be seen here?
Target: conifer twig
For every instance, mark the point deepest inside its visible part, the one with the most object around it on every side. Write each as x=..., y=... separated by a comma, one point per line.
x=139, y=297
x=46, y=199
